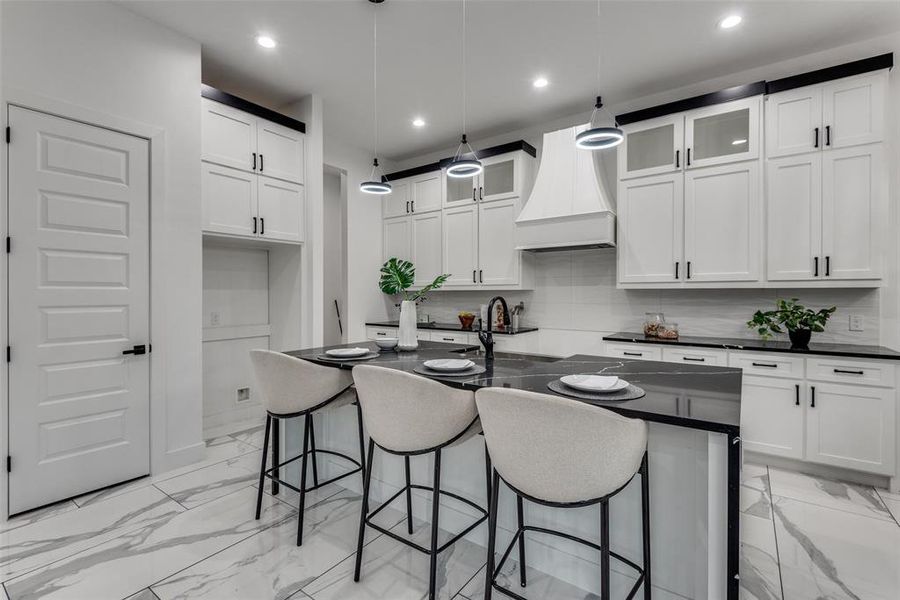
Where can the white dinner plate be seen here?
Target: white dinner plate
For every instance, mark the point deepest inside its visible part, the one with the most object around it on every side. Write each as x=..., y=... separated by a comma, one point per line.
x=347, y=352
x=449, y=364
x=603, y=384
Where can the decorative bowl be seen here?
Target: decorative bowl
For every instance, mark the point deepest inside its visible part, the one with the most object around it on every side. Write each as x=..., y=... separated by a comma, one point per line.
x=387, y=343
x=466, y=320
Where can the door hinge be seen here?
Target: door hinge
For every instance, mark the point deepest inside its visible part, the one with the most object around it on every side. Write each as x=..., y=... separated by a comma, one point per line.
x=9, y=464
x=8, y=134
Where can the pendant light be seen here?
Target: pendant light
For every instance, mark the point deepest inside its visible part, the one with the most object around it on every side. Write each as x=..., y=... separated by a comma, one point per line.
x=461, y=166
x=598, y=138
x=375, y=185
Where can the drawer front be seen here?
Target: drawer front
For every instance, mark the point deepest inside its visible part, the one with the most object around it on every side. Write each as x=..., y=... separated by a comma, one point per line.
x=634, y=351
x=844, y=370
x=695, y=356
x=423, y=335
x=373, y=333
x=450, y=337
x=767, y=364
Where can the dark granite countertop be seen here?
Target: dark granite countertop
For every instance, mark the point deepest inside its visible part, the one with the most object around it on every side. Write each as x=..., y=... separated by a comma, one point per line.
x=453, y=327
x=825, y=349
x=694, y=396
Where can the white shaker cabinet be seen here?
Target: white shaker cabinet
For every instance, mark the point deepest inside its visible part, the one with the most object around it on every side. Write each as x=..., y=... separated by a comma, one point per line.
x=396, y=236
x=794, y=122
x=794, y=186
x=425, y=246
x=412, y=224
x=722, y=213
x=650, y=223
x=229, y=136
x=280, y=210
x=773, y=415
x=280, y=151
x=722, y=133
x=460, y=245
x=396, y=203
x=229, y=200
x=652, y=147
x=497, y=255
x=426, y=192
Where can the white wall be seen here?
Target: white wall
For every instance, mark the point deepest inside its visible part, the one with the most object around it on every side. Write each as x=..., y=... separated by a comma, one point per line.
x=335, y=268
x=106, y=65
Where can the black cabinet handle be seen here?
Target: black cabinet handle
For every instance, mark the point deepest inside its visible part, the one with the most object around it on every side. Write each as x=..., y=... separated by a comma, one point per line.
x=693, y=359
x=262, y=226
x=481, y=193
x=815, y=266
x=632, y=354
x=688, y=157
x=769, y=365
x=797, y=397
x=480, y=276
x=812, y=396
x=676, y=269
x=254, y=224
x=254, y=161
x=447, y=339
x=827, y=266
x=828, y=135
x=689, y=270
x=407, y=207
x=381, y=333
x=474, y=194
x=412, y=206
x=473, y=276
x=137, y=350
x=849, y=372
x=677, y=159
x=260, y=163
x=816, y=138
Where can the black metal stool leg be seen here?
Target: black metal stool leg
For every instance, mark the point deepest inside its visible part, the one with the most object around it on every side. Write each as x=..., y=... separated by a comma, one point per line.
x=312, y=449
x=520, y=513
x=303, y=462
x=604, y=549
x=409, y=527
x=492, y=537
x=435, y=504
x=362, y=446
x=262, y=468
x=367, y=480
x=276, y=453
x=645, y=521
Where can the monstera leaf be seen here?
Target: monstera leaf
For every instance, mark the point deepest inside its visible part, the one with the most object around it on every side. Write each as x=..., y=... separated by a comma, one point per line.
x=397, y=276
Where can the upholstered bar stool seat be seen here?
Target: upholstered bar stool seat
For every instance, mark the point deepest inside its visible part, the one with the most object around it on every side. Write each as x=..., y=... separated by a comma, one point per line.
x=562, y=453
x=292, y=387
x=409, y=415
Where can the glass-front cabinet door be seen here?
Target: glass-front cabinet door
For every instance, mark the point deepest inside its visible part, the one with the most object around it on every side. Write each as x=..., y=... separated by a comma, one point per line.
x=500, y=179
x=651, y=147
x=723, y=133
x=460, y=191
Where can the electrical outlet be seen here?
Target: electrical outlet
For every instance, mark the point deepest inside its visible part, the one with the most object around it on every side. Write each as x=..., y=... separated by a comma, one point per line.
x=856, y=323
x=214, y=319
x=243, y=394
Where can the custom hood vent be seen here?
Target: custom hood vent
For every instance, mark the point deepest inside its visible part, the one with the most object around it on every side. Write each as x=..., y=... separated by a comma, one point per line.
x=569, y=207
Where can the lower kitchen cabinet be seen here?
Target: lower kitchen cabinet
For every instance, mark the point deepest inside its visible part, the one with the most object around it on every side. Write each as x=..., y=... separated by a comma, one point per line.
x=772, y=416
x=851, y=426
x=634, y=351
x=695, y=356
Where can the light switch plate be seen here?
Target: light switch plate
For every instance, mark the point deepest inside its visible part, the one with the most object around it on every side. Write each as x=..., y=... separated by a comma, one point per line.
x=856, y=323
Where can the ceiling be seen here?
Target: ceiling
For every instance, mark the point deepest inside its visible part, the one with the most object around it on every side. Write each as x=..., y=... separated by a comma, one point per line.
x=325, y=47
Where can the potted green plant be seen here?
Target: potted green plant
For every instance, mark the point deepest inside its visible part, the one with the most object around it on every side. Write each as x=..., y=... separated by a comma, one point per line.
x=799, y=321
x=397, y=277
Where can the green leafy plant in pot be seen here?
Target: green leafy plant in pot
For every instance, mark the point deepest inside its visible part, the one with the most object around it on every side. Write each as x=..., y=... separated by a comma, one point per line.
x=799, y=321
x=397, y=277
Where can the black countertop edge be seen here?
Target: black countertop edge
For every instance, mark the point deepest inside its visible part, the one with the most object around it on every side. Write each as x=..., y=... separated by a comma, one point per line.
x=211, y=93
x=452, y=327
x=819, y=349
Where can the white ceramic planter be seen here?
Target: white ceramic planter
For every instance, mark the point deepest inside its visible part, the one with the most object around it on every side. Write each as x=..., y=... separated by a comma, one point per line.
x=408, y=321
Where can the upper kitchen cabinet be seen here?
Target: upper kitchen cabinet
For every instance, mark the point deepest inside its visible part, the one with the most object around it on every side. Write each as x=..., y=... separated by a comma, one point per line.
x=252, y=170
x=723, y=133
x=413, y=195
x=508, y=173
x=838, y=114
x=651, y=226
x=396, y=204
x=651, y=147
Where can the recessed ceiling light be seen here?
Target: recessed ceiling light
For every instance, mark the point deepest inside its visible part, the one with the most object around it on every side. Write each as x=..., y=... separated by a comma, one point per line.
x=265, y=41
x=418, y=122
x=738, y=142
x=540, y=82
x=730, y=21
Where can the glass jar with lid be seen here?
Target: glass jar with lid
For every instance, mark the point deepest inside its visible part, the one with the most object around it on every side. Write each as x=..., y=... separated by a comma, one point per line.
x=652, y=323
x=668, y=331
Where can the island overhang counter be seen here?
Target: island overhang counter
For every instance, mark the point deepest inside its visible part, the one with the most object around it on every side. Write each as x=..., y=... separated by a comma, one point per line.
x=694, y=453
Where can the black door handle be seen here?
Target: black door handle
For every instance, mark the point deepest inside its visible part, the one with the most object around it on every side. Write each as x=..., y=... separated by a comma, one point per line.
x=816, y=138
x=473, y=276
x=137, y=350
x=828, y=135
x=474, y=194
x=677, y=158
x=481, y=193
x=812, y=396
x=254, y=225
x=827, y=266
x=262, y=226
x=815, y=266
x=689, y=270
x=412, y=206
x=480, y=276
x=260, y=163
x=688, y=157
x=407, y=207
x=676, y=266
x=254, y=161
x=797, y=399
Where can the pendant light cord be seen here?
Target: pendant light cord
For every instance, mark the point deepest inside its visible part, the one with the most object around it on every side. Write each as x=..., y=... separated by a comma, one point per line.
x=375, y=80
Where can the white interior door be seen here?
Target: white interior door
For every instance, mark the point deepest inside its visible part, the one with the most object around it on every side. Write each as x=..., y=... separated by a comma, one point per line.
x=79, y=297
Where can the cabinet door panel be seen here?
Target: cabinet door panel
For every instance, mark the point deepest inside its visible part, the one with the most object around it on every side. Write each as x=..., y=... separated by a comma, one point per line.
x=853, y=211
x=426, y=246
x=427, y=192
x=228, y=199
x=772, y=421
x=460, y=252
x=792, y=118
x=281, y=210
x=650, y=229
x=794, y=217
x=396, y=203
x=852, y=427
x=650, y=147
x=721, y=134
x=853, y=110
x=460, y=191
x=497, y=256
x=396, y=241
x=281, y=151
x=500, y=179
x=721, y=223
x=228, y=136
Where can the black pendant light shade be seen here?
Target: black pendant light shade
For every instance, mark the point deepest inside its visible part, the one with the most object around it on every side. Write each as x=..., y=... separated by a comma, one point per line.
x=464, y=167
x=375, y=185
x=598, y=138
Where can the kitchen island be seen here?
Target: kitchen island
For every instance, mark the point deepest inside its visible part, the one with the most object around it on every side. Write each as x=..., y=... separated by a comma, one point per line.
x=695, y=459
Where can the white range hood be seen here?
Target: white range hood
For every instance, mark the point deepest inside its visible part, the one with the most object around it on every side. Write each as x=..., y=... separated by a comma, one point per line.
x=569, y=206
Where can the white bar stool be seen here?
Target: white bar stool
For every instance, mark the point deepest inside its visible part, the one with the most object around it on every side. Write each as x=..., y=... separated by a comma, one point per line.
x=562, y=453
x=292, y=387
x=409, y=415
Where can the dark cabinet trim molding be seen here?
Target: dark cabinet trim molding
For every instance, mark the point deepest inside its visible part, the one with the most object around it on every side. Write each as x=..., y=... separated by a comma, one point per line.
x=857, y=67
x=485, y=153
x=211, y=93
x=866, y=65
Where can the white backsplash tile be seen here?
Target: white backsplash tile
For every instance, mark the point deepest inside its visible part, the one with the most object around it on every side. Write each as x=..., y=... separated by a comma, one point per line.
x=576, y=291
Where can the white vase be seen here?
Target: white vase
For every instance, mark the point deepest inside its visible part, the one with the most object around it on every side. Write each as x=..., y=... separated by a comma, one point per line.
x=408, y=320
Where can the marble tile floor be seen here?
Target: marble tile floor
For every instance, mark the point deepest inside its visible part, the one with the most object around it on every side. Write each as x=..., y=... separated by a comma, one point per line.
x=190, y=533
